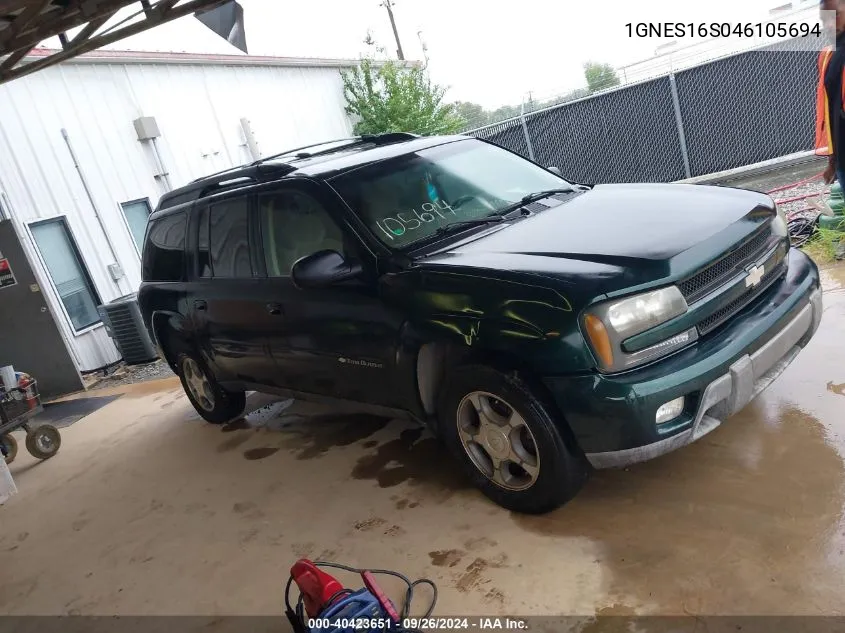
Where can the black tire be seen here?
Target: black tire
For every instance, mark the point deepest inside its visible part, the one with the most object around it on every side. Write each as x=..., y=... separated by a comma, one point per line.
x=561, y=468
x=225, y=405
x=43, y=441
x=10, y=447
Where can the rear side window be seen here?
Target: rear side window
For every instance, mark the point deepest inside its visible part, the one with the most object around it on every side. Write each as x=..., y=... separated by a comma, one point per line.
x=229, y=239
x=164, y=251
x=203, y=255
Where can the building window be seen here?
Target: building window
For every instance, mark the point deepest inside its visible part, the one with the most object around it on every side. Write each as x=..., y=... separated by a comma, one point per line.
x=68, y=272
x=137, y=214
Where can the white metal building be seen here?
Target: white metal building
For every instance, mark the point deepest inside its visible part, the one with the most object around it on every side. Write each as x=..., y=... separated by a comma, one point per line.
x=78, y=175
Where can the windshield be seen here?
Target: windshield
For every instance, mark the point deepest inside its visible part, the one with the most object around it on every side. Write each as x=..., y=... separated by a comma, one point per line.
x=408, y=199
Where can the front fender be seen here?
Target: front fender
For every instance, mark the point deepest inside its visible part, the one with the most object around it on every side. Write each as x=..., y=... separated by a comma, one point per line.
x=536, y=323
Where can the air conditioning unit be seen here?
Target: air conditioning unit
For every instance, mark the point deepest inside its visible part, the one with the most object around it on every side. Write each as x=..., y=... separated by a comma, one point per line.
x=122, y=318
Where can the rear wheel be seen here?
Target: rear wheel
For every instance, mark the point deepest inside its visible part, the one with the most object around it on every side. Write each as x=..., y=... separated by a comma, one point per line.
x=10, y=447
x=508, y=440
x=212, y=402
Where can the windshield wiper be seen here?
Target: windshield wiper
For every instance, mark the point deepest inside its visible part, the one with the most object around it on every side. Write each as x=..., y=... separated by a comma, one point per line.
x=499, y=216
x=533, y=197
x=490, y=219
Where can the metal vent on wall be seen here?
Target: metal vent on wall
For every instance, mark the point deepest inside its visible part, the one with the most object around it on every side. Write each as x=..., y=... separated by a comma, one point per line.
x=124, y=324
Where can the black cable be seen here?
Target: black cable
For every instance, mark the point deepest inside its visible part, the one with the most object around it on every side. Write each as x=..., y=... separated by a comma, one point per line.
x=409, y=592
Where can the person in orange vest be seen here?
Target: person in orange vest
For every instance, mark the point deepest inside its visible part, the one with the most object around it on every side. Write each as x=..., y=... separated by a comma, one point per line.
x=830, y=105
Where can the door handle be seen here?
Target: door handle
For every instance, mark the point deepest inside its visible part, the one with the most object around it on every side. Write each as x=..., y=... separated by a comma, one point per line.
x=201, y=305
x=274, y=308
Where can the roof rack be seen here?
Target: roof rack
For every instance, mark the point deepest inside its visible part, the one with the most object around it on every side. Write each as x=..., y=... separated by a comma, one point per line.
x=259, y=170
x=378, y=139
x=223, y=180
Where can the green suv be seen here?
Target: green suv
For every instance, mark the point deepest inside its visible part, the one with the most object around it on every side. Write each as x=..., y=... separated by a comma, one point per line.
x=539, y=327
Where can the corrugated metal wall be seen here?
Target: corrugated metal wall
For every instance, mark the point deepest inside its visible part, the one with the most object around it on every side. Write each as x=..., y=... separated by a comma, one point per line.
x=198, y=109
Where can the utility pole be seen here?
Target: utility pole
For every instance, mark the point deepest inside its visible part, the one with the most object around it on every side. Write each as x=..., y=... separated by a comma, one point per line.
x=424, y=47
x=388, y=4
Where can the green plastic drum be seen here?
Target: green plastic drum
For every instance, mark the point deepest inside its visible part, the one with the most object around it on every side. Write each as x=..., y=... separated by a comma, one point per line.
x=836, y=200
x=836, y=223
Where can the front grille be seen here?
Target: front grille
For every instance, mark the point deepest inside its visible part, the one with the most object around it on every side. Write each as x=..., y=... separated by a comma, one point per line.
x=724, y=314
x=735, y=261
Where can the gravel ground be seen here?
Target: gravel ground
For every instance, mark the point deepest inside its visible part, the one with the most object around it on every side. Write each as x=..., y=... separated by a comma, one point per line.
x=130, y=374
x=780, y=177
x=815, y=186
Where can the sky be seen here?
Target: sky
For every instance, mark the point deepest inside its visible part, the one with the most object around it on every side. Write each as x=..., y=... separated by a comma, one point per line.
x=492, y=53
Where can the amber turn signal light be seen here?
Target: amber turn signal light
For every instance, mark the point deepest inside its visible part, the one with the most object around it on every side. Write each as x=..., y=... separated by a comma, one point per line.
x=599, y=339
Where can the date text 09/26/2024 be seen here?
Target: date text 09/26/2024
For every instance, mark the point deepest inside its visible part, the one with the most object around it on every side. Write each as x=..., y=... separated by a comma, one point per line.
x=424, y=624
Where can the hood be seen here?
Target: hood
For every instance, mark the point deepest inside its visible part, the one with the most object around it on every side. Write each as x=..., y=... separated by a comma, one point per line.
x=629, y=221
x=635, y=233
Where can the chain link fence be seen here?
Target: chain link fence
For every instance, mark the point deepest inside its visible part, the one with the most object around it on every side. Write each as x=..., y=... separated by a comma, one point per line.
x=727, y=113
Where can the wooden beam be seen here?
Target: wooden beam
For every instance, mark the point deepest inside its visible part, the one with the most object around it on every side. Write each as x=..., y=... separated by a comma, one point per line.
x=7, y=6
x=163, y=6
x=27, y=17
x=63, y=22
x=14, y=58
x=112, y=36
x=88, y=30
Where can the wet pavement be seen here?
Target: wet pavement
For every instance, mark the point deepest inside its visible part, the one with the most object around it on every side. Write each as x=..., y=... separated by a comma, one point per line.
x=148, y=510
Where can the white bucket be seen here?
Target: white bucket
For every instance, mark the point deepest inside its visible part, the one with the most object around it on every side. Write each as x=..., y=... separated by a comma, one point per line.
x=7, y=484
x=7, y=376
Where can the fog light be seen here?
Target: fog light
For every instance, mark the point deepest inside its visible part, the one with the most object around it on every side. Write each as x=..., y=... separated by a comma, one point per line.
x=670, y=410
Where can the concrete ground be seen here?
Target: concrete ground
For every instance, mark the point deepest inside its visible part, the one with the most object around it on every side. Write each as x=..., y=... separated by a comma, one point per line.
x=147, y=510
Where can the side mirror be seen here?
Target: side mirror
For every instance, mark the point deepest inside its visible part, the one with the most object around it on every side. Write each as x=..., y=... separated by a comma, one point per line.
x=323, y=268
x=555, y=170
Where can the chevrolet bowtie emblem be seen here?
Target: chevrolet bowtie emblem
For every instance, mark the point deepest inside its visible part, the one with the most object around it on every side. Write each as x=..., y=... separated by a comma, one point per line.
x=755, y=276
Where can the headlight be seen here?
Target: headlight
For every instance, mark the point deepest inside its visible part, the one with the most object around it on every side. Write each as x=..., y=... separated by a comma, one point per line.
x=779, y=227
x=607, y=325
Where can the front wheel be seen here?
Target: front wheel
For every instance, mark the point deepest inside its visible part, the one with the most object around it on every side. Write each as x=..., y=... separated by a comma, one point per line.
x=508, y=440
x=212, y=402
x=43, y=441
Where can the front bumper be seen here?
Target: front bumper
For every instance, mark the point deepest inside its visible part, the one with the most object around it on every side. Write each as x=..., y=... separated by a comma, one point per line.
x=613, y=416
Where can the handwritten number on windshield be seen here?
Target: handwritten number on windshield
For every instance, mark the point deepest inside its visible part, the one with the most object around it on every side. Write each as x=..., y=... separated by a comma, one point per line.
x=411, y=220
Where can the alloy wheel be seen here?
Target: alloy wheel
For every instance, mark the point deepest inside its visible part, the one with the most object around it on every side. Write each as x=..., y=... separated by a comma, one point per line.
x=198, y=384
x=498, y=441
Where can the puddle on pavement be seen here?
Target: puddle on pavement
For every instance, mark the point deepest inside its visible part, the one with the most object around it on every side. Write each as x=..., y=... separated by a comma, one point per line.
x=415, y=457
x=833, y=277
x=312, y=436
x=233, y=442
x=235, y=425
x=758, y=502
x=261, y=452
x=839, y=390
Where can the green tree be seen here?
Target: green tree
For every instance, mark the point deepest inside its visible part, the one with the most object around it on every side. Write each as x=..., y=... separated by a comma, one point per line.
x=600, y=76
x=388, y=97
x=580, y=93
x=504, y=112
x=473, y=115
